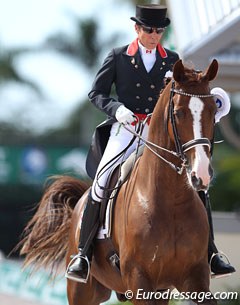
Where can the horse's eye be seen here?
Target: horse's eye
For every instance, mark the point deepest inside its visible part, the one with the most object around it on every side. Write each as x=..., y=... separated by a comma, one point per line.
x=179, y=113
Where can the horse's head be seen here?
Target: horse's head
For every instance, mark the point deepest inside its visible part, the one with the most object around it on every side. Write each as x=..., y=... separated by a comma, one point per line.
x=192, y=110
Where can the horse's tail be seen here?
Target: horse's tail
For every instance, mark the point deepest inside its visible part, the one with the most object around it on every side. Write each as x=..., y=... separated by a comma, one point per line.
x=45, y=238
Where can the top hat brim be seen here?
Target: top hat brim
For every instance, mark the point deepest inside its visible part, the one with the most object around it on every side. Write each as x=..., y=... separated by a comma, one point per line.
x=153, y=23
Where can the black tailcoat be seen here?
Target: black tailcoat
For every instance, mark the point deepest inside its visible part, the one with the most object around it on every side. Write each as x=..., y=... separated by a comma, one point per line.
x=136, y=89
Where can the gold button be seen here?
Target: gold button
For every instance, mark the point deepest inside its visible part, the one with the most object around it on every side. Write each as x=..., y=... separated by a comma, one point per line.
x=150, y=98
x=138, y=97
x=138, y=84
x=152, y=86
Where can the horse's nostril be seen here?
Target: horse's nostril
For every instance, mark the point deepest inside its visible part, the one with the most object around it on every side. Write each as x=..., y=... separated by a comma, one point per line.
x=197, y=183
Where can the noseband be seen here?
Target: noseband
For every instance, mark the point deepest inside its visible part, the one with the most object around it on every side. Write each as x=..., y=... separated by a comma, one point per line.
x=182, y=148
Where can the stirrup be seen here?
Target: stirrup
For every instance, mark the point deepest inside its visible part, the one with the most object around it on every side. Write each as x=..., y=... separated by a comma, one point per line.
x=76, y=278
x=218, y=276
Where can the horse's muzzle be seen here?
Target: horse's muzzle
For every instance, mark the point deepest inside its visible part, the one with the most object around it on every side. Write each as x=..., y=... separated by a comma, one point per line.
x=200, y=184
x=197, y=183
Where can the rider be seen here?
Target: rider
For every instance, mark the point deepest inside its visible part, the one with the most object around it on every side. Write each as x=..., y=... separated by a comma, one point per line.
x=137, y=70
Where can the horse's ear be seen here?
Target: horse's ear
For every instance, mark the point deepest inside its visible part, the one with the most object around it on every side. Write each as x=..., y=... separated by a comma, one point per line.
x=178, y=71
x=211, y=72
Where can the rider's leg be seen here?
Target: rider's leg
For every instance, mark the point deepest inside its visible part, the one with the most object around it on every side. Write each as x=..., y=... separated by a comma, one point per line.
x=79, y=267
x=218, y=266
x=118, y=140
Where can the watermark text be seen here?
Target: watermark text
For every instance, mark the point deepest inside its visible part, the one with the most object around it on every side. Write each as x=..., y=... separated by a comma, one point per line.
x=174, y=294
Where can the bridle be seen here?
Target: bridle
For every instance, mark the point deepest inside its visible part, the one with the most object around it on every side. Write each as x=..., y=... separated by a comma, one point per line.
x=180, y=148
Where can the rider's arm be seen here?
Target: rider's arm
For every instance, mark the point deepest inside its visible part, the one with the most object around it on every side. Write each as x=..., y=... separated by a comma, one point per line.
x=101, y=89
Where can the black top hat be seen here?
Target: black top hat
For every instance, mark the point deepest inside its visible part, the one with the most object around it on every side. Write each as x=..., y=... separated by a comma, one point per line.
x=151, y=15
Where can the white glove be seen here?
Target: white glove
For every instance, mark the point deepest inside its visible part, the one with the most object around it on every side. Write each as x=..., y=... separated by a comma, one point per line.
x=168, y=74
x=124, y=115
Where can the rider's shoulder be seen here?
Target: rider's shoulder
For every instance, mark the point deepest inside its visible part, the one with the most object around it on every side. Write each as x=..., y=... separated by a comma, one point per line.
x=120, y=50
x=171, y=53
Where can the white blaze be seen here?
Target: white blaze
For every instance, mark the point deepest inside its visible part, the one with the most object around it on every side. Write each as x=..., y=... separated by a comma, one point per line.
x=201, y=162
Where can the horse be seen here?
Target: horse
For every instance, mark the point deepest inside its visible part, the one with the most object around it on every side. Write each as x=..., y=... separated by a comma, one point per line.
x=160, y=229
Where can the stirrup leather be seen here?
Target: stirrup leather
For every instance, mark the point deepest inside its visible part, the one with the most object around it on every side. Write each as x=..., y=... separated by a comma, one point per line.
x=75, y=277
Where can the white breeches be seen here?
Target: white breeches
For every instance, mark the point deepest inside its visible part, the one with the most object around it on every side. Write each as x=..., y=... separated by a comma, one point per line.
x=118, y=140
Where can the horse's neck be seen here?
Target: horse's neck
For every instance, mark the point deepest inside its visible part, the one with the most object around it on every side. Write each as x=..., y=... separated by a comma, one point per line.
x=156, y=172
x=161, y=183
x=158, y=129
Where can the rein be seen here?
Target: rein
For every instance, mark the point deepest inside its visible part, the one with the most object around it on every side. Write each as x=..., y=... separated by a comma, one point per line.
x=180, y=148
x=150, y=144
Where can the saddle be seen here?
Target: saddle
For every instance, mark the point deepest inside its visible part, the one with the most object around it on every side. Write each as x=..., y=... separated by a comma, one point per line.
x=118, y=176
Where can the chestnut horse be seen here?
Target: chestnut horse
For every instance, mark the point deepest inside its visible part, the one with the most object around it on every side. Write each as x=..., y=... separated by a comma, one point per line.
x=160, y=229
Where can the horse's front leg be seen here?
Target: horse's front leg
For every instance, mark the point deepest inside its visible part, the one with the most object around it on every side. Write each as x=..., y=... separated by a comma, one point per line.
x=140, y=288
x=91, y=293
x=197, y=285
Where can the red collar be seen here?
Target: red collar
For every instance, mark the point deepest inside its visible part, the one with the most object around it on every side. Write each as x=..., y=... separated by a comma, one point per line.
x=133, y=48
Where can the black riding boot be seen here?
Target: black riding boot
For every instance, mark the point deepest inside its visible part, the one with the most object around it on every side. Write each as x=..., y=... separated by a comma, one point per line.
x=79, y=266
x=218, y=266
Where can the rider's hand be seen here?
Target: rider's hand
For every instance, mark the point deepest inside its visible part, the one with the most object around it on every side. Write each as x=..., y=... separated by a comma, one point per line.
x=124, y=115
